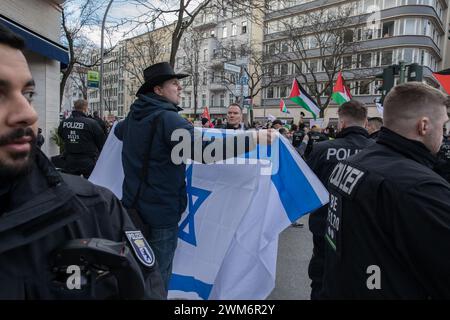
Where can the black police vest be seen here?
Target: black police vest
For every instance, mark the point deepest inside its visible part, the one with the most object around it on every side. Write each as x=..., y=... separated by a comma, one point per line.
x=78, y=134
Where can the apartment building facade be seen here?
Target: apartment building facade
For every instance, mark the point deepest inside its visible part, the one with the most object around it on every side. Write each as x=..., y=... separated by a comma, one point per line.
x=218, y=37
x=413, y=31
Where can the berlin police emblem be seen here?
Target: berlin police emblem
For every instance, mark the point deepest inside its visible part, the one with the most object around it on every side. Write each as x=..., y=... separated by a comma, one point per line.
x=141, y=248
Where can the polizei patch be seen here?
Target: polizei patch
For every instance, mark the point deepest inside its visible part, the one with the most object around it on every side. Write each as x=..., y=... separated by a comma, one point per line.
x=345, y=178
x=141, y=248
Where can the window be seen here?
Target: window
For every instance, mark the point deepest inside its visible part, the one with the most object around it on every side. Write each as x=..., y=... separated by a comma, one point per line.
x=388, y=29
x=386, y=58
x=211, y=102
x=283, y=69
x=222, y=100
x=224, y=32
x=348, y=36
x=244, y=27
x=233, y=30
x=230, y=98
x=269, y=93
x=205, y=55
x=205, y=78
x=347, y=62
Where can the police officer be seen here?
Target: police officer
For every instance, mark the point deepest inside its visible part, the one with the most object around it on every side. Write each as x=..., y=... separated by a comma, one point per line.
x=351, y=139
x=40, y=209
x=388, y=224
x=443, y=165
x=374, y=125
x=83, y=140
x=314, y=136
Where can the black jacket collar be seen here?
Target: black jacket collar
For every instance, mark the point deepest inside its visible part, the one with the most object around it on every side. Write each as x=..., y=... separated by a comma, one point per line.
x=352, y=130
x=411, y=149
x=76, y=114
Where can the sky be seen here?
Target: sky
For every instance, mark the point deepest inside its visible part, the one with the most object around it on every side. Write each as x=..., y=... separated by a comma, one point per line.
x=121, y=9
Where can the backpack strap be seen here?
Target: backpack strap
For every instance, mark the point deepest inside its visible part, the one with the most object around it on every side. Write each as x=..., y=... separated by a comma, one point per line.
x=144, y=168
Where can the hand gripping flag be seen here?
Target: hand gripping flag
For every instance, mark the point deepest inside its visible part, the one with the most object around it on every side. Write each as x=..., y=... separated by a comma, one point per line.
x=303, y=99
x=228, y=236
x=341, y=93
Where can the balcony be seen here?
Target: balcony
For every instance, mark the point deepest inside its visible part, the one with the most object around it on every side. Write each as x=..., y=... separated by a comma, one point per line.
x=217, y=86
x=205, y=23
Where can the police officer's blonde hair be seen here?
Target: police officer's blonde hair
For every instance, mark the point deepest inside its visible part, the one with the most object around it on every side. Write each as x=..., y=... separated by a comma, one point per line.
x=79, y=105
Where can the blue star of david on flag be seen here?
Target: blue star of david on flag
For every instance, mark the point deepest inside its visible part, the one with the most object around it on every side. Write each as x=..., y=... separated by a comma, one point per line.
x=201, y=195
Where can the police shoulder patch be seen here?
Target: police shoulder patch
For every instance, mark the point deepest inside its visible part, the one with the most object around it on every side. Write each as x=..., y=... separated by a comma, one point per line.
x=141, y=248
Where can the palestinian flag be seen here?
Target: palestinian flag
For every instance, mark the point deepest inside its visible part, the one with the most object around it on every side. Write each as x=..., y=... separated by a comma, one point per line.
x=205, y=114
x=299, y=96
x=443, y=77
x=341, y=93
x=283, y=107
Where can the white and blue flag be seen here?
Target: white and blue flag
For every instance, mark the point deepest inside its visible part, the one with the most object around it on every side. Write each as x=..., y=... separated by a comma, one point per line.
x=228, y=237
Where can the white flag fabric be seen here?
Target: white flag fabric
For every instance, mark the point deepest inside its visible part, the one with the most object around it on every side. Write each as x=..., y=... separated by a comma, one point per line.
x=228, y=237
x=380, y=108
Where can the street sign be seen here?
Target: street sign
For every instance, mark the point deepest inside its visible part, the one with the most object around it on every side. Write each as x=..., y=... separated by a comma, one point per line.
x=244, y=80
x=93, y=79
x=231, y=67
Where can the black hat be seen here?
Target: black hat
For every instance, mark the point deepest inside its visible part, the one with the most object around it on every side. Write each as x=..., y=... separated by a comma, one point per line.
x=157, y=74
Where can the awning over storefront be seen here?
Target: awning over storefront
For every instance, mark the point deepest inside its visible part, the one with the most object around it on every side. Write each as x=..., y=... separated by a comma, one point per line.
x=38, y=44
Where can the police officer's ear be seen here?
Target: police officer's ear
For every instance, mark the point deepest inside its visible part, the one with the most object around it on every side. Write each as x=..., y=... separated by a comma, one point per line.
x=423, y=126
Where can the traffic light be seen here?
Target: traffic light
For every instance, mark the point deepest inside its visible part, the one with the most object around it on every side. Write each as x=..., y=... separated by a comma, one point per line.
x=388, y=77
x=415, y=72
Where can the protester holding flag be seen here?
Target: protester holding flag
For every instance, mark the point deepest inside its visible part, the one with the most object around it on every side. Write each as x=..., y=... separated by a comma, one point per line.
x=393, y=234
x=235, y=117
x=154, y=187
x=351, y=139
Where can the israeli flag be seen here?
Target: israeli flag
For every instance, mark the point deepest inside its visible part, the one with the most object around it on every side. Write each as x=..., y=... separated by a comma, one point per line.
x=228, y=237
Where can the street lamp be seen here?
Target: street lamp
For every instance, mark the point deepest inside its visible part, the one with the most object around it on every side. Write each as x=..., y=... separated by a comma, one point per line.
x=101, y=58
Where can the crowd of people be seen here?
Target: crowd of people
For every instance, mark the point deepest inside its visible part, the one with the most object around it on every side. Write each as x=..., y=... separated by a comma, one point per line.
x=384, y=234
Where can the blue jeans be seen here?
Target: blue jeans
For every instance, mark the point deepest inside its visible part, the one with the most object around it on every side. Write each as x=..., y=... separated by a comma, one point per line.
x=164, y=242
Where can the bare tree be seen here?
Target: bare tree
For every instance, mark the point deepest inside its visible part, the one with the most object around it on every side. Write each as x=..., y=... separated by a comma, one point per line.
x=183, y=14
x=319, y=43
x=192, y=47
x=141, y=52
x=77, y=16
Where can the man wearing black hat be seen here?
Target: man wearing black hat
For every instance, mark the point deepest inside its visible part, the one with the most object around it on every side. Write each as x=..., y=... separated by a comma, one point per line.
x=159, y=197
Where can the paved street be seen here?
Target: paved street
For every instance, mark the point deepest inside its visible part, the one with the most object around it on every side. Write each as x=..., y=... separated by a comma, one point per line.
x=294, y=253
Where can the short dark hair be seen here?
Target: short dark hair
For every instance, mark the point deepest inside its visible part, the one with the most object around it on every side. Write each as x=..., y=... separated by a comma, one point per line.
x=95, y=113
x=377, y=120
x=9, y=38
x=235, y=105
x=354, y=110
x=204, y=121
x=277, y=121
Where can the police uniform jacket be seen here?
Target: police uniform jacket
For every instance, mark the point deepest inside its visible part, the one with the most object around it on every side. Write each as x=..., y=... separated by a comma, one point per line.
x=443, y=165
x=82, y=135
x=388, y=226
x=39, y=213
x=325, y=156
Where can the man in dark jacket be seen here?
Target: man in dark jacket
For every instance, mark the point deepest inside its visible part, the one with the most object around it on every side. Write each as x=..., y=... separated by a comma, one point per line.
x=159, y=195
x=351, y=139
x=374, y=125
x=83, y=140
x=443, y=165
x=100, y=122
x=41, y=210
x=388, y=225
